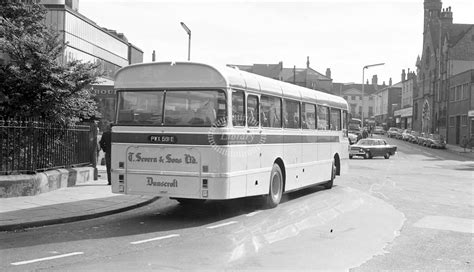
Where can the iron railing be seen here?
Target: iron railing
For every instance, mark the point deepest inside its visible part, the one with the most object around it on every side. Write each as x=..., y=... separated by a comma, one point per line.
x=32, y=146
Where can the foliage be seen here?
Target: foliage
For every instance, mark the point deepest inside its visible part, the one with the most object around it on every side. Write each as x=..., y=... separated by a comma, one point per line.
x=37, y=81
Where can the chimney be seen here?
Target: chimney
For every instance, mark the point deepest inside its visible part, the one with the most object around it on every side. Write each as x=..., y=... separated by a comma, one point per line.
x=404, y=75
x=390, y=82
x=153, y=56
x=447, y=16
x=328, y=73
x=374, y=80
x=307, y=62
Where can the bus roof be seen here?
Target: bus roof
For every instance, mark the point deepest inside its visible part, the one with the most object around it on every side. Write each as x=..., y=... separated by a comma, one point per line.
x=159, y=75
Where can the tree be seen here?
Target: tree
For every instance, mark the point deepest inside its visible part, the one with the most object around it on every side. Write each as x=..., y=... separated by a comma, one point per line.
x=37, y=81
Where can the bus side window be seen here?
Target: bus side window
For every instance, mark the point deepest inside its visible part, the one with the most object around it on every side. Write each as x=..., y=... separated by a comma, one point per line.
x=238, y=113
x=335, y=119
x=323, y=118
x=252, y=111
x=291, y=113
x=270, y=111
x=308, y=115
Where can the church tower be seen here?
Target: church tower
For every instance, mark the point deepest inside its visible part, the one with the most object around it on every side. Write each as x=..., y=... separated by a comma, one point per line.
x=432, y=10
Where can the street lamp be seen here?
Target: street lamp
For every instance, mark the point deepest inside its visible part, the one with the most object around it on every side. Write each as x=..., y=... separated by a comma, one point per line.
x=189, y=41
x=363, y=70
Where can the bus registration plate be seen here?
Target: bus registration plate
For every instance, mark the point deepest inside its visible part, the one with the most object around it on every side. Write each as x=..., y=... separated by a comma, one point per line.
x=163, y=139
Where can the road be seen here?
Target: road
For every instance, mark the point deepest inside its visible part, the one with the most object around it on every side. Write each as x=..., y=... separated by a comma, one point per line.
x=413, y=211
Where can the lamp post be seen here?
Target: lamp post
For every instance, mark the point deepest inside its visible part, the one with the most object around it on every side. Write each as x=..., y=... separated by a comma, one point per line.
x=363, y=70
x=189, y=40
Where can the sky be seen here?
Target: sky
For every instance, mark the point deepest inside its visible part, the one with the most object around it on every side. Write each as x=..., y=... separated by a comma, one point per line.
x=343, y=35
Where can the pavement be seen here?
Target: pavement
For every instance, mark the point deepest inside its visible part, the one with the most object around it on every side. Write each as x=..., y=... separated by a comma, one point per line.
x=85, y=201
x=461, y=151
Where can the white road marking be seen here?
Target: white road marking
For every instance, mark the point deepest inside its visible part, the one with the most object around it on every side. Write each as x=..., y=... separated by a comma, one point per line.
x=253, y=213
x=47, y=258
x=222, y=225
x=446, y=223
x=154, y=239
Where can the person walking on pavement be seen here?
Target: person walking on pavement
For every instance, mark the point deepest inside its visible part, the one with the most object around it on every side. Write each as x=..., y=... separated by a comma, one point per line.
x=106, y=145
x=365, y=134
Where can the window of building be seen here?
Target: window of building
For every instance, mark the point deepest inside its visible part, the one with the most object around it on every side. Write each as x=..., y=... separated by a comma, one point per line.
x=238, y=112
x=252, y=111
x=353, y=108
x=452, y=121
x=335, y=119
x=291, y=114
x=371, y=111
x=465, y=94
x=309, y=116
x=345, y=97
x=322, y=117
x=415, y=111
x=353, y=97
x=452, y=93
x=427, y=55
x=458, y=94
x=463, y=120
x=270, y=114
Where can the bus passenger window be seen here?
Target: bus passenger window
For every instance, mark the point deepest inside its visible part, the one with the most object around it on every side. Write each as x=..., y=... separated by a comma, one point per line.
x=344, y=123
x=335, y=119
x=252, y=111
x=271, y=111
x=323, y=117
x=308, y=116
x=238, y=113
x=291, y=113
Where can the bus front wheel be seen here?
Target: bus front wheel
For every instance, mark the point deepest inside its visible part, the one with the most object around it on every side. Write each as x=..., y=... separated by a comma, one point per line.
x=276, y=187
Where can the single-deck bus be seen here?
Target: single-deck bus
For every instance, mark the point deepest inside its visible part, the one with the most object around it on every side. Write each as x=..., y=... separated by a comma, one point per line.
x=192, y=132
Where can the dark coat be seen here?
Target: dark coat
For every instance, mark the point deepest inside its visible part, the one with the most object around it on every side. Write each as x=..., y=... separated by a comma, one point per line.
x=106, y=142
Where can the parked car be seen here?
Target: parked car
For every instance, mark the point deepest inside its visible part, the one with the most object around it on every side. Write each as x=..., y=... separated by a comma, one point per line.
x=413, y=137
x=405, y=134
x=422, y=138
x=435, y=141
x=353, y=138
x=392, y=132
x=371, y=147
x=400, y=135
x=378, y=130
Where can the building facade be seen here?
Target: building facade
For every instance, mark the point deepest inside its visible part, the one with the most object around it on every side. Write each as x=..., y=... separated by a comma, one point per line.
x=89, y=42
x=387, y=101
x=305, y=77
x=404, y=116
x=447, y=53
x=461, y=107
x=357, y=101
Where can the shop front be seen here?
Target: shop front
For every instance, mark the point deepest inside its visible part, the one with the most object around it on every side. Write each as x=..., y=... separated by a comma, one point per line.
x=403, y=118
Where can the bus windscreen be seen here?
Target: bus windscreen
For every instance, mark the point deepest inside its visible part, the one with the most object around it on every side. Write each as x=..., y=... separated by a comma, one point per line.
x=172, y=108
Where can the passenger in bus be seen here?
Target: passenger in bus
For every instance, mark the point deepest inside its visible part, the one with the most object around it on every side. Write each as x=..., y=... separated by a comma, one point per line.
x=251, y=118
x=207, y=112
x=265, y=121
x=274, y=117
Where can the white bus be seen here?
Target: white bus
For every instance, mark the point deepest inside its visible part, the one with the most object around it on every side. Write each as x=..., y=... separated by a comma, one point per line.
x=192, y=132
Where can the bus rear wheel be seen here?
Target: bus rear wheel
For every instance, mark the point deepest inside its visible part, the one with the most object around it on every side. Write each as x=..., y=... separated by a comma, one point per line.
x=276, y=187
